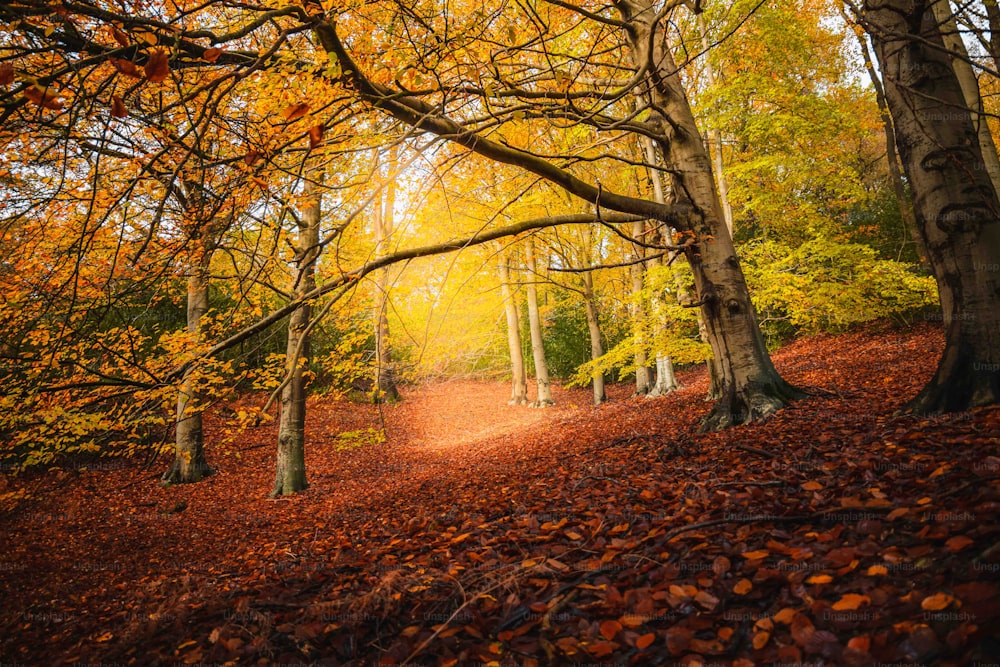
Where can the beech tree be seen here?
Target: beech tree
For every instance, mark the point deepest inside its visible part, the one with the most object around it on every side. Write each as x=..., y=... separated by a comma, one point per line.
x=956, y=204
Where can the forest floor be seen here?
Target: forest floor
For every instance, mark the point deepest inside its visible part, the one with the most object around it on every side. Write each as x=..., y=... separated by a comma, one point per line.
x=833, y=534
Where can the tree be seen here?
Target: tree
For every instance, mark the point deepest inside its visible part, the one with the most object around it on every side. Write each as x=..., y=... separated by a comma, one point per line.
x=519, y=382
x=750, y=386
x=383, y=221
x=290, y=475
x=544, y=397
x=956, y=204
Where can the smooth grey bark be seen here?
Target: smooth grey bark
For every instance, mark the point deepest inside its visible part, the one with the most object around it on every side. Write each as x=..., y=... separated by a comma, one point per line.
x=957, y=207
x=544, y=397
x=892, y=157
x=594, y=328
x=750, y=387
x=637, y=310
x=290, y=473
x=519, y=381
x=969, y=83
x=189, y=463
x=715, y=137
x=384, y=221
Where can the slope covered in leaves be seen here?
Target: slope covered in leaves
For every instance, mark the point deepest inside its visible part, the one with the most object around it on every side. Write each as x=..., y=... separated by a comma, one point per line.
x=835, y=533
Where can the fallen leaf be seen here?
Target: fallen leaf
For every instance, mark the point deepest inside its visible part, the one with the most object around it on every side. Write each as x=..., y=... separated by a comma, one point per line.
x=851, y=601
x=937, y=602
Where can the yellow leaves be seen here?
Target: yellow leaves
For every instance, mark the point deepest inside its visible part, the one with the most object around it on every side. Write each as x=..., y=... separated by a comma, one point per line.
x=157, y=67
x=47, y=98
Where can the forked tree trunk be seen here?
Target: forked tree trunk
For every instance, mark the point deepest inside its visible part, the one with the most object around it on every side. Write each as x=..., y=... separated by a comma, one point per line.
x=957, y=207
x=594, y=327
x=189, y=463
x=535, y=326
x=290, y=470
x=969, y=83
x=750, y=386
x=519, y=381
x=385, y=373
x=715, y=136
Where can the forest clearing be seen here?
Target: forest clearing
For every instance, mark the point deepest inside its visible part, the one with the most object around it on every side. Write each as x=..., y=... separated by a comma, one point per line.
x=834, y=533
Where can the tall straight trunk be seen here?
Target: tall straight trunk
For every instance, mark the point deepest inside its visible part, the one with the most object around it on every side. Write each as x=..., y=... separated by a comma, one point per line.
x=535, y=327
x=519, y=381
x=957, y=207
x=290, y=475
x=715, y=136
x=892, y=157
x=665, y=382
x=643, y=382
x=966, y=76
x=189, y=463
x=385, y=378
x=594, y=327
x=750, y=386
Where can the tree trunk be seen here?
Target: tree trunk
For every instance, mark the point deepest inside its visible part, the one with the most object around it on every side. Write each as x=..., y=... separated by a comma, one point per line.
x=385, y=375
x=593, y=325
x=290, y=475
x=751, y=388
x=895, y=172
x=535, y=327
x=638, y=313
x=955, y=202
x=519, y=382
x=189, y=445
x=666, y=381
x=715, y=137
x=970, y=87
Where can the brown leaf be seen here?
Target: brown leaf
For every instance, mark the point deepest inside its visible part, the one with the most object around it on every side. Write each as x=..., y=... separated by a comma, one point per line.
x=7, y=75
x=609, y=629
x=295, y=111
x=118, y=109
x=645, y=641
x=126, y=67
x=120, y=37
x=760, y=640
x=43, y=97
x=802, y=629
x=958, y=543
x=211, y=54
x=157, y=67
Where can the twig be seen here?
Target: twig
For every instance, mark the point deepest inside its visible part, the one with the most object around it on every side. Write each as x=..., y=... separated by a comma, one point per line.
x=758, y=451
